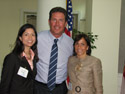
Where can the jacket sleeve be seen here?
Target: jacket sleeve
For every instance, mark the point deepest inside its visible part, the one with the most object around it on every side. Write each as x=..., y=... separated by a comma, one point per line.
x=7, y=74
x=97, y=71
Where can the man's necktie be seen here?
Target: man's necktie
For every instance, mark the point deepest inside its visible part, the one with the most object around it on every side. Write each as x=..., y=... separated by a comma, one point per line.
x=53, y=66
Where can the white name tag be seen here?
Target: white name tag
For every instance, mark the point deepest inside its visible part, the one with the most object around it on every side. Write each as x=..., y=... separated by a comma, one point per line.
x=23, y=72
x=70, y=86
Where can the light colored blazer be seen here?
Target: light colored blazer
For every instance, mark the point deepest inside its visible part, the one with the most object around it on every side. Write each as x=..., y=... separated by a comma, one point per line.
x=85, y=75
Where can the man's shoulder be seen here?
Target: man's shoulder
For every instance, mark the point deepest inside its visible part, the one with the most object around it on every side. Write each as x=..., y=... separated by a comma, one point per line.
x=67, y=37
x=43, y=32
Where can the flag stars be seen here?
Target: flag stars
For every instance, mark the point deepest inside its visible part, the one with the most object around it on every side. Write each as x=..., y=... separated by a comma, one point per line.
x=69, y=10
x=70, y=6
x=69, y=26
x=70, y=22
x=70, y=16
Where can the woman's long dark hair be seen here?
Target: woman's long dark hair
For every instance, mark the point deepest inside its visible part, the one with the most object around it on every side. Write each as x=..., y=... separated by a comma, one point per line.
x=80, y=36
x=19, y=47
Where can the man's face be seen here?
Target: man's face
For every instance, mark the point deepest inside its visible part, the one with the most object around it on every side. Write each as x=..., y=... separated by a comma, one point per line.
x=57, y=24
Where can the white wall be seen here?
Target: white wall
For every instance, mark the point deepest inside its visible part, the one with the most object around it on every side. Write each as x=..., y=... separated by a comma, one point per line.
x=88, y=16
x=106, y=24
x=120, y=75
x=122, y=40
x=79, y=6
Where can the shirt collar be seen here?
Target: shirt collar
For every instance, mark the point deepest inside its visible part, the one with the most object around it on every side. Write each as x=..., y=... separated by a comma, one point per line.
x=51, y=37
x=31, y=52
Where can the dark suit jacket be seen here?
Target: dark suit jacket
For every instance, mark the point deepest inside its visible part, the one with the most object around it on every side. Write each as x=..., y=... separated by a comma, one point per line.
x=11, y=82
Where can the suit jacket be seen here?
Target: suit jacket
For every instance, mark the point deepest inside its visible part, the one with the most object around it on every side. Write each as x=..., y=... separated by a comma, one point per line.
x=85, y=75
x=13, y=83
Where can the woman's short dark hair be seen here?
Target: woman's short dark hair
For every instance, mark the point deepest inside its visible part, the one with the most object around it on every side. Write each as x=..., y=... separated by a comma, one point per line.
x=19, y=47
x=58, y=9
x=85, y=36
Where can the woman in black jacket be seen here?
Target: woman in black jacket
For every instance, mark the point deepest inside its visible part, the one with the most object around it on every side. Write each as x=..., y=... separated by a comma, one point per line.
x=19, y=66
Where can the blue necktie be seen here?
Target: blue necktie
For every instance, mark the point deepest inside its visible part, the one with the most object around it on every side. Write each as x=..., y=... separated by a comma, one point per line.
x=53, y=66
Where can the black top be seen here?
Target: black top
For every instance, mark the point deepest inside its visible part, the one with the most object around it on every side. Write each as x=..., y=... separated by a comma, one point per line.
x=11, y=81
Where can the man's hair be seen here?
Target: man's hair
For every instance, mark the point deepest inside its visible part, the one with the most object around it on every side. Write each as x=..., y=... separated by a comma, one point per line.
x=58, y=9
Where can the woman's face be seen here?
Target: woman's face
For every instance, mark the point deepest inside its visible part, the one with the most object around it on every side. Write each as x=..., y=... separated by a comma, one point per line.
x=28, y=38
x=81, y=48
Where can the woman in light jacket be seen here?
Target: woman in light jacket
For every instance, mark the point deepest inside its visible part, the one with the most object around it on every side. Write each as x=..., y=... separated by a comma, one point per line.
x=84, y=70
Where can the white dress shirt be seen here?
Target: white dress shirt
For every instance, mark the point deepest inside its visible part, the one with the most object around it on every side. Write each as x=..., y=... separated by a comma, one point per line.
x=65, y=49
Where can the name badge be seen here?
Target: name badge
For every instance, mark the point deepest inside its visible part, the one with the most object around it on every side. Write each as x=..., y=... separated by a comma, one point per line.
x=70, y=86
x=23, y=72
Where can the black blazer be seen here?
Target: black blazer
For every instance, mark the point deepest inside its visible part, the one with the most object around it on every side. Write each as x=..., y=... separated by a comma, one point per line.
x=11, y=82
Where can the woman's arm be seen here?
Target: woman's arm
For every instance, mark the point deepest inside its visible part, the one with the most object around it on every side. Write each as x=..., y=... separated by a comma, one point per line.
x=97, y=71
x=7, y=74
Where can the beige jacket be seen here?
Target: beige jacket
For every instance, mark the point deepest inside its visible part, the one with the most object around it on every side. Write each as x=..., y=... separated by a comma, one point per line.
x=85, y=75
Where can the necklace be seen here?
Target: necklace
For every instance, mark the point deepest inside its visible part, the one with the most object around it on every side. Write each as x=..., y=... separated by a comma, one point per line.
x=28, y=55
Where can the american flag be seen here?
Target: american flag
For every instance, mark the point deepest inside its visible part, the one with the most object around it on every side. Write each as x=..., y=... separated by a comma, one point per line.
x=68, y=30
x=70, y=18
